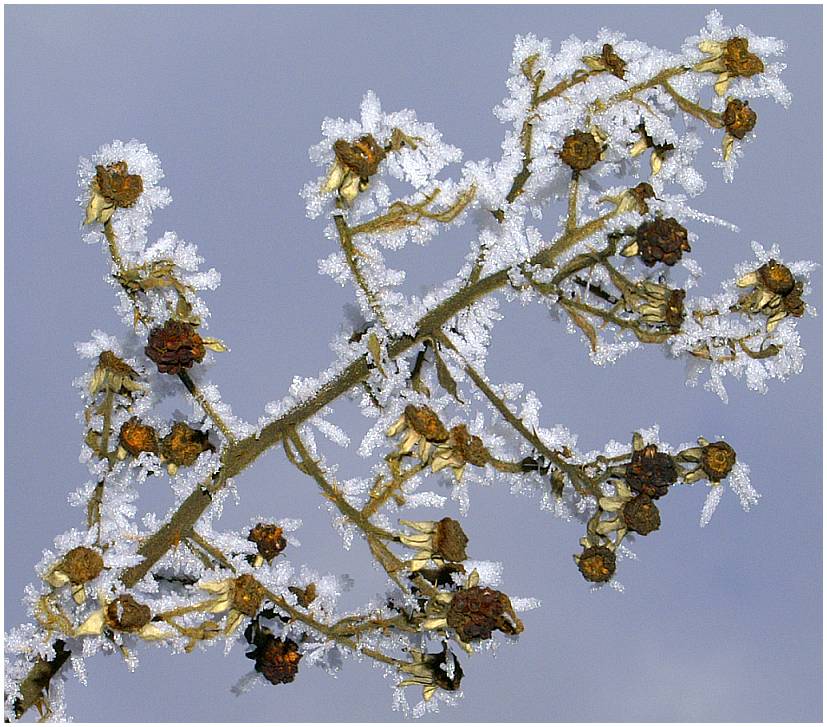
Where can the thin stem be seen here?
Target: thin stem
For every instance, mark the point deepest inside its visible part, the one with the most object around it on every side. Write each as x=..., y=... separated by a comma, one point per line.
x=571, y=218
x=206, y=406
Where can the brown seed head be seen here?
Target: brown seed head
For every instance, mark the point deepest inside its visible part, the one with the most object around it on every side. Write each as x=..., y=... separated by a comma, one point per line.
x=277, y=659
x=776, y=277
x=642, y=192
x=469, y=447
x=424, y=421
x=136, y=437
x=81, y=564
x=269, y=540
x=597, y=564
x=739, y=60
x=183, y=444
x=248, y=594
x=436, y=665
x=449, y=540
x=739, y=119
x=174, y=346
x=717, y=460
x=362, y=157
x=581, y=151
x=651, y=472
x=126, y=614
x=662, y=240
x=109, y=361
x=476, y=612
x=641, y=515
x=793, y=303
x=116, y=184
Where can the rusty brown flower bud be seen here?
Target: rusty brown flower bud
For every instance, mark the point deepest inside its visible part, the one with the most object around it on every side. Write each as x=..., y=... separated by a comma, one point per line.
x=469, y=447
x=269, y=540
x=175, y=346
x=739, y=119
x=581, y=150
x=717, y=460
x=662, y=240
x=449, y=540
x=362, y=157
x=597, y=564
x=136, y=438
x=116, y=184
x=476, y=612
x=81, y=564
x=651, y=472
x=183, y=444
x=738, y=59
x=276, y=659
x=248, y=594
x=776, y=277
x=126, y=614
x=424, y=421
x=641, y=515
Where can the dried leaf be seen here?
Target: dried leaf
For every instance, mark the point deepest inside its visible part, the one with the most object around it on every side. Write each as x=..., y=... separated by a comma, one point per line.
x=446, y=381
x=375, y=348
x=583, y=324
x=215, y=344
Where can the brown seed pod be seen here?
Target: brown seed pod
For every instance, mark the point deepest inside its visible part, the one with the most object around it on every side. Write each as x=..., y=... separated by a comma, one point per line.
x=615, y=64
x=449, y=540
x=81, y=564
x=424, y=421
x=581, y=151
x=362, y=157
x=641, y=515
x=174, y=346
x=717, y=460
x=269, y=540
x=276, y=659
x=136, y=438
x=651, y=472
x=116, y=184
x=738, y=59
x=597, y=564
x=739, y=119
x=248, y=594
x=126, y=614
x=476, y=612
x=183, y=444
x=776, y=277
x=469, y=447
x=662, y=240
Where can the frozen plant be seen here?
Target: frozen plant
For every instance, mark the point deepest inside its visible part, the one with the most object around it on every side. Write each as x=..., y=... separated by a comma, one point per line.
x=607, y=129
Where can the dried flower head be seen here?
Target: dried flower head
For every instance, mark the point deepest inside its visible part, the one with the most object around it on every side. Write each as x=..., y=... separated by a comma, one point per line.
x=729, y=59
x=659, y=305
x=441, y=670
x=174, y=346
x=662, y=240
x=304, y=596
x=476, y=612
x=269, y=540
x=777, y=294
x=717, y=460
x=581, y=150
x=421, y=427
x=641, y=515
x=126, y=614
x=462, y=448
x=444, y=540
x=739, y=119
x=276, y=659
x=115, y=375
x=596, y=563
x=135, y=438
x=651, y=472
x=247, y=595
x=81, y=564
x=183, y=445
x=353, y=167
x=112, y=187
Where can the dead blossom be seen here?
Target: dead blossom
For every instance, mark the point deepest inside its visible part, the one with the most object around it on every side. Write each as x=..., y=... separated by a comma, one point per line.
x=269, y=540
x=597, y=564
x=175, y=346
x=81, y=564
x=651, y=472
x=136, y=438
x=440, y=670
x=729, y=59
x=641, y=515
x=662, y=240
x=713, y=461
x=355, y=163
x=277, y=659
x=112, y=187
x=183, y=445
x=777, y=294
x=477, y=612
x=581, y=150
x=126, y=614
x=608, y=60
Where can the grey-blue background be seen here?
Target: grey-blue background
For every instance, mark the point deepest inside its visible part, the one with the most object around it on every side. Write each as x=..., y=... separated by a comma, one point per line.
x=720, y=624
